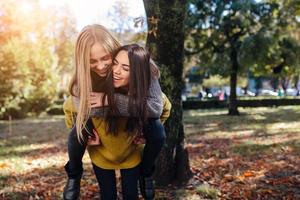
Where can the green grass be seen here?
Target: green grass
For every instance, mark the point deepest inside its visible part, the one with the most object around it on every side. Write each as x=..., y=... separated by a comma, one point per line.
x=252, y=122
x=254, y=131
x=208, y=192
x=251, y=149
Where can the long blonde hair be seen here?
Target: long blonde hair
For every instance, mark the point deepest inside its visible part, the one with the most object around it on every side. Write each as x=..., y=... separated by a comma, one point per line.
x=81, y=83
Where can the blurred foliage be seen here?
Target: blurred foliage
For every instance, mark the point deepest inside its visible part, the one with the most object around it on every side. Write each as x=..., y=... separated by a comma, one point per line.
x=231, y=38
x=36, y=47
x=260, y=32
x=219, y=81
x=215, y=81
x=274, y=48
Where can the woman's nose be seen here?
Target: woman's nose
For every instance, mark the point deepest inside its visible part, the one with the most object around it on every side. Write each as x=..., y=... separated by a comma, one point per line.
x=99, y=65
x=116, y=69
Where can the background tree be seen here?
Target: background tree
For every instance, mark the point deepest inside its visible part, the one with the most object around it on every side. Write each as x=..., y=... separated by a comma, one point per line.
x=219, y=33
x=63, y=32
x=120, y=11
x=31, y=58
x=127, y=29
x=166, y=42
x=273, y=50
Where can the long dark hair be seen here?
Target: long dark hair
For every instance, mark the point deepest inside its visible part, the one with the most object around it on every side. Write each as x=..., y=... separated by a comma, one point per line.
x=137, y=89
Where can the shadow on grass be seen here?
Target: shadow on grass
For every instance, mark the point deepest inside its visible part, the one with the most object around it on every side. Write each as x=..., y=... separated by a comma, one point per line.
x=208, y=146
x=255, y=124
x=29, y=153
x=253, y=149
x=33, y=138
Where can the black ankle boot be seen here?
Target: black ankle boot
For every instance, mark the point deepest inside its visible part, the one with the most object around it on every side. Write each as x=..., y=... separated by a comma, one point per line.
x=147, y=187
x=72, y=189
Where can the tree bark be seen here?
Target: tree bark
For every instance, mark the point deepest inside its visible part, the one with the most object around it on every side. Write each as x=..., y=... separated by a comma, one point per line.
x=296, y=81
x=233, y=108
x=165, y=42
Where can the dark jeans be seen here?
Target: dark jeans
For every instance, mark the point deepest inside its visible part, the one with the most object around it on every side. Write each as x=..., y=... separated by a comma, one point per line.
x=107, y=183
x=154, y=134
x=76, y=150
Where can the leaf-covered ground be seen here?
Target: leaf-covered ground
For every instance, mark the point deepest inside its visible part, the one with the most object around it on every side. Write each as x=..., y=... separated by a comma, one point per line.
x=252, y=156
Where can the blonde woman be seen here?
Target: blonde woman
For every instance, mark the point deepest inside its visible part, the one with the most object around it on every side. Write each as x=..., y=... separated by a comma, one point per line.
x=93, y=56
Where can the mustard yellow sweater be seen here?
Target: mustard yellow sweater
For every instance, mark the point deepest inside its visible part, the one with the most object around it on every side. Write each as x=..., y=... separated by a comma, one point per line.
x=115, y=151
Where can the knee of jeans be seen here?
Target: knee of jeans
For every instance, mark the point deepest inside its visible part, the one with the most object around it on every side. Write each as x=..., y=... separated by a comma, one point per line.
x=130, y=196
x=157, y=135
x=73, y=133
x=155, y=132
x=73, y=138
x=130, y=193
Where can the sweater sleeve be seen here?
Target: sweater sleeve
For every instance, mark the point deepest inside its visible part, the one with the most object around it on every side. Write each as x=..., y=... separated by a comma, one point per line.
x=154, y=103
x=166, y=109
x=70, y=112
x=95, y=112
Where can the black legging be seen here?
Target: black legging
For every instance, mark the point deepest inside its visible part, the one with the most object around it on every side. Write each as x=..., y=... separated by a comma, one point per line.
x=154, y=134
x=107, y=182
x=76, y=150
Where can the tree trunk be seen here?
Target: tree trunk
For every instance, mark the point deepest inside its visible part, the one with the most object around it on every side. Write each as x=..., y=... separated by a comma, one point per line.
x=274, y=83
x=233, y=108
x=284, y=84
x=166, y=43
x=296, y=81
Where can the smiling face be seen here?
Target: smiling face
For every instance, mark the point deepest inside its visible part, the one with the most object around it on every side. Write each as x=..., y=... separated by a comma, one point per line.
x=99, y=59
x=121, y=69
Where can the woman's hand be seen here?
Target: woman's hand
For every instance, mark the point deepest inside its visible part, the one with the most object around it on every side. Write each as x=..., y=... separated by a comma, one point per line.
x=139, y=139
x=96, y=100
x=92, y=141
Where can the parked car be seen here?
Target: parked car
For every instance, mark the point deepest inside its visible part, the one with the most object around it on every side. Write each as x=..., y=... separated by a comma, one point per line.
x=292, y=92
x=266, y=92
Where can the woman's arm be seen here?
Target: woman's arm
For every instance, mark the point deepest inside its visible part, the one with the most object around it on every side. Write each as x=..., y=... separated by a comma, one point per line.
x=154, y=103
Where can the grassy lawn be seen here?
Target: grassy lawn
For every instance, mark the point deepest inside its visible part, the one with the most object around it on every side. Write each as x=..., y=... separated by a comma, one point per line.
x=252, y=156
